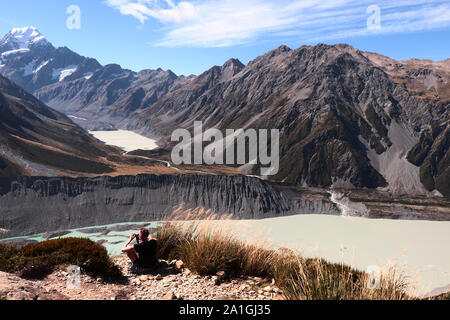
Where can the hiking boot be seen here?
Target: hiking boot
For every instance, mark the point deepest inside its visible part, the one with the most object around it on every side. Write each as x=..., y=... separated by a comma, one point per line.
x=134, y=269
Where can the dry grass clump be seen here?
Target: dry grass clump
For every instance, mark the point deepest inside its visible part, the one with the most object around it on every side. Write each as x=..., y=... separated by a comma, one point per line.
x=170, y=236
x=318, y=280
x=207, y=250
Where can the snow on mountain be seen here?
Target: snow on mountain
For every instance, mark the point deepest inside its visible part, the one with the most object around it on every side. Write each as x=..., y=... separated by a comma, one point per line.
x=32, y=62
x=63, y=73
x=88, y=75
x=20, y=41
x=29, y=68
x=43, y=64
x=13, y=52
x=23, y=38
x=32, y=67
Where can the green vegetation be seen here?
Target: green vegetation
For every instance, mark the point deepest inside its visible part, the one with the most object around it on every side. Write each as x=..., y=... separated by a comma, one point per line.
x=206, y=251
x=38, y=260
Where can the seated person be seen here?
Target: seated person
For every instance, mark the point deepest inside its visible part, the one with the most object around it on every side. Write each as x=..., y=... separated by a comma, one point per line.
x=142, y=254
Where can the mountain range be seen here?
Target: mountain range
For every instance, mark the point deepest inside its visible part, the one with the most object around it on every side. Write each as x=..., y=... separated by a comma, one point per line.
x=35, y=139
x=347, y=118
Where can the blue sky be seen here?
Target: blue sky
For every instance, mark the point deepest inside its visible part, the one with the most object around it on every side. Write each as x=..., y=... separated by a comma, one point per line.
x=191, y=36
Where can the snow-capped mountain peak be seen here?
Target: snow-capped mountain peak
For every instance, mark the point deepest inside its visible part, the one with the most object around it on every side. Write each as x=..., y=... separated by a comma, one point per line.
x=21, y=39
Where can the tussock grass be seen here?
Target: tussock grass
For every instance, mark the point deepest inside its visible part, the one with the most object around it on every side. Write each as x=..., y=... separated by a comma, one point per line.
x=318, y=280
x=206, y=250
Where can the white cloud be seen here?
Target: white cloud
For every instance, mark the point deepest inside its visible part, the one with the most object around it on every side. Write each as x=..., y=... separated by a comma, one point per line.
x=165, y=11
x=215, y=23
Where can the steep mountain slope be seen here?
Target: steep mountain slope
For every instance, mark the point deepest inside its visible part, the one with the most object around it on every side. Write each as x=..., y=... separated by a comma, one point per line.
x=428, y=81
x=35, y=139
x=109, y=96
x=342, y=119
x=432, y=154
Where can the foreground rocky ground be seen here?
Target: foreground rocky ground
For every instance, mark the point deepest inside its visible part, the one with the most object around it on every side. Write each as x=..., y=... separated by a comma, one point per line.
x=170, y=283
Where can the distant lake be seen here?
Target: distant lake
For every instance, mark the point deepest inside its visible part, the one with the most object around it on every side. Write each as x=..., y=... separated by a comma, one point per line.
x=126, y=140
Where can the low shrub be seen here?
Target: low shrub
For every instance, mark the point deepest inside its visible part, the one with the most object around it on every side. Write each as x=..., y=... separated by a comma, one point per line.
x=38, y=260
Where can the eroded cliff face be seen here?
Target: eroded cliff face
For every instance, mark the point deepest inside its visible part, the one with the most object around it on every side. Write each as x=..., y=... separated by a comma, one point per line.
x=30, y=205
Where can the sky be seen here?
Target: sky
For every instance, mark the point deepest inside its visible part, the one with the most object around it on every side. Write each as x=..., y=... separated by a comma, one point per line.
x=191, y=36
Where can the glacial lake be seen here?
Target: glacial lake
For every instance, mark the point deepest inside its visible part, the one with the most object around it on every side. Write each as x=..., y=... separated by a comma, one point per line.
x=419, y=248
x=126, y=140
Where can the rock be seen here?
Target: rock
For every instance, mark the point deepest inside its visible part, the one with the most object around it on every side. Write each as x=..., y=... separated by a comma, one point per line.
x=179, y=265
x=56, y=234
x=170, y=296
x=101, y=230
x=143, y=278
x=158, y=277
x=137, y=282
x=268, y=289
x=222, y=276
